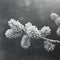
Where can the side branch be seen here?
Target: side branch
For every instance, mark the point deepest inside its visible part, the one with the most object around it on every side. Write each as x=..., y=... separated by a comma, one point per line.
x=51, y=40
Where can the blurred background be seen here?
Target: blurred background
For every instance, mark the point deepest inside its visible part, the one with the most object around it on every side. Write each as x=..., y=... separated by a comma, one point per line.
x=38, y=13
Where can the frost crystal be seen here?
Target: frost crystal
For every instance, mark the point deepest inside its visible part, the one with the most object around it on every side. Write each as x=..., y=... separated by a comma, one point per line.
x=25, y=42
x=54, y=16
x=11, y=34
x=45, y=31
x=16, y=29
x=28, y=24
x=15, y=25
x=57, y=21
x=49, y=46
x=58, y=31
x=32, y=31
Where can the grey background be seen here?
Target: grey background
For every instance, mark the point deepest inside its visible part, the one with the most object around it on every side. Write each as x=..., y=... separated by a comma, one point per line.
x=38, y=13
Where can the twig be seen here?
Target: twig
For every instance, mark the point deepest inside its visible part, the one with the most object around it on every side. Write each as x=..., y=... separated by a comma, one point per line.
x=51, y=40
